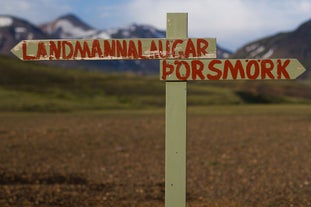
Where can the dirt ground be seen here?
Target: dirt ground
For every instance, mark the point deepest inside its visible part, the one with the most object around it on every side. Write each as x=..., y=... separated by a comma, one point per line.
x=106, y=159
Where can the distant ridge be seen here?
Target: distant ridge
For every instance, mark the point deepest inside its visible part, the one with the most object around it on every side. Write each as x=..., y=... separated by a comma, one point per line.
x=295, y=44
x=14, y=29
x=67, y=26
x=70, y=26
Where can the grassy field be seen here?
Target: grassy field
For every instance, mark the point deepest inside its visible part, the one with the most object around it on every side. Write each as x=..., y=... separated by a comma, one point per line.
x=237, y=156
x=30, y=87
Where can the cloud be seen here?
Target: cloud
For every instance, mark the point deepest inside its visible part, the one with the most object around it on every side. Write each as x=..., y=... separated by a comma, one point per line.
x=37, y=11
x=232, y=22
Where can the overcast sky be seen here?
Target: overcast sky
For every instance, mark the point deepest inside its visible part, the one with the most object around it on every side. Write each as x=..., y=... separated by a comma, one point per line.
x=233, y=22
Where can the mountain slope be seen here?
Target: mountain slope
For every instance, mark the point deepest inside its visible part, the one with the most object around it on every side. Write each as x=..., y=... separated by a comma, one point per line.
x=13, y=30
x=295, y=44
x=70, y=26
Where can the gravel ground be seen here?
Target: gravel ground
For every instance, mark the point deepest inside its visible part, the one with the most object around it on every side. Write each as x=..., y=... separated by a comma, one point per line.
x=103, y=159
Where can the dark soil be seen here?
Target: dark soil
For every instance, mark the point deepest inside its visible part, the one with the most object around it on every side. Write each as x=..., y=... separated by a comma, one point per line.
x=118, y=160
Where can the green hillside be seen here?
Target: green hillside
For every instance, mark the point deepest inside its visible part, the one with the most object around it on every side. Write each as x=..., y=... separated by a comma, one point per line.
x=28, y=86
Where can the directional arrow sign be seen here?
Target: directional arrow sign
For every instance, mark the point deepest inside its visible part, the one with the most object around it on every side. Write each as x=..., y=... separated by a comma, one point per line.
x=230, y=69
x=97, y=49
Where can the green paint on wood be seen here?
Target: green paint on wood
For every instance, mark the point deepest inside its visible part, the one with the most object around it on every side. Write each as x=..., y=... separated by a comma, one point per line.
x=102, y=49
x=230, y=69
x=175, y=132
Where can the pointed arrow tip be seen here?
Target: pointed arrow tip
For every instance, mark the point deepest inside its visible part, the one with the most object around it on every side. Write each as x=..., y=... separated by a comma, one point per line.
x=13, y=50
x=17, y=50
x=300, y=68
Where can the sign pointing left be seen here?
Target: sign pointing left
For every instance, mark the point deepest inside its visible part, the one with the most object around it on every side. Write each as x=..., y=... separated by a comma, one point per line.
x=103, y=49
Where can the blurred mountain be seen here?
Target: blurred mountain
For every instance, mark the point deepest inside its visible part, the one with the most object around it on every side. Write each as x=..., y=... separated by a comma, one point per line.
x=70, y=26
x=294, y=44
x=13, y=30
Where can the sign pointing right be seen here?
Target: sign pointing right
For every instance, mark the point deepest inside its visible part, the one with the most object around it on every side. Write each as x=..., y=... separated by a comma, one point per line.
x=230, y=69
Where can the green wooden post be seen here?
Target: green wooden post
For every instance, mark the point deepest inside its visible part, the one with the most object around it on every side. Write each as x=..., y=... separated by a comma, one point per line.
x=175, y=130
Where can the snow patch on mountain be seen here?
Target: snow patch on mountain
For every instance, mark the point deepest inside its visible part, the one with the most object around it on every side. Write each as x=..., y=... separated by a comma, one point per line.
x=69, y=30
x=157, y=33
x=251, y=47
x=111, y=31
x=99, y=35
x=224, y=55
x=20, y=29
x=268, y=54
x=6, y=21
x=257, y=51
x=19, y=32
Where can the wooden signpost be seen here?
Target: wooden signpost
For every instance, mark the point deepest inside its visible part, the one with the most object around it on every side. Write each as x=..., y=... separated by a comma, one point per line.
x=230, y=69
x=115, y=49
x=182, y=59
